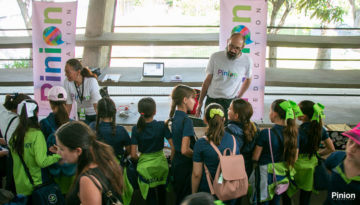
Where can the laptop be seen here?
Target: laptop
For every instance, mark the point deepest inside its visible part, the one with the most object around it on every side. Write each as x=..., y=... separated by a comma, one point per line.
x=152, y=71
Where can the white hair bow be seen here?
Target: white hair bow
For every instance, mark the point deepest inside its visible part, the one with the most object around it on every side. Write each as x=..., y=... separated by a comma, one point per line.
x=30, y=107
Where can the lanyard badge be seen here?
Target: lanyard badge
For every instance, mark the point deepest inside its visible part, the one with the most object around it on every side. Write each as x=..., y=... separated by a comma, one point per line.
x=82, y=114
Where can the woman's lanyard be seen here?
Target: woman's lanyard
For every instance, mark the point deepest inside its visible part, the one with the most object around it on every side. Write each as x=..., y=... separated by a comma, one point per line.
x=81, y=97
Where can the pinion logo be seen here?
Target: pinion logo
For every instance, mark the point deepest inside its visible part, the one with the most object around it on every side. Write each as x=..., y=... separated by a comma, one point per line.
x=52, y=36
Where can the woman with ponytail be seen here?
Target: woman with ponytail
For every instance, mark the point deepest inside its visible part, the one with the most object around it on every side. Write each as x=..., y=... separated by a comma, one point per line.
x=311, y=134
x=107, y=131
x=183, y=137
x=97, y=169
x=148, y=137
x=284, y=141
x=204, y=153
x=28, y=143
x=81, y=86
x=244, y=130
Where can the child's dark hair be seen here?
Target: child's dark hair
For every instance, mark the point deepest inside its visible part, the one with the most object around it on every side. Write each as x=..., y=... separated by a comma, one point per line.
x=61, y=114
x=106, y=109
x=146, y=108
x=12, y=100
x=245, y=111
x=290, y=133
x=84, y=71
x=177, y=96
x=315, y=131
x=25, y=122
x=200, y=198
x=76, y=134
x=215, y=130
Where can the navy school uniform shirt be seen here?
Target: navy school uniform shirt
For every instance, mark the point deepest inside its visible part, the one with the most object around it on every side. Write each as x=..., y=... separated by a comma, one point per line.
x=204, y=152
x=117, y=142
x=277, y=147
x=182, y=126
x=48, y=125
x=246, y=148
x=303, y=136
x=151, y=139
x=338, y=185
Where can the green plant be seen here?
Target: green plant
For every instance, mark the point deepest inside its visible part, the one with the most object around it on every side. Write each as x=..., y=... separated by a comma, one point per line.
x=17, y=64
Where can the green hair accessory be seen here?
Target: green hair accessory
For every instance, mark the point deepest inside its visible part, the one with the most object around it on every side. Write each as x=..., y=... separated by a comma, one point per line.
x=296, y=109
x=318, y=112
x=288, y=109
x=214, y=112
x=218, y=202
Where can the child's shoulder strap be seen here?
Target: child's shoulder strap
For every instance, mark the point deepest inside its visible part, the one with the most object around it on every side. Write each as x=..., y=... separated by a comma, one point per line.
x=7, y=128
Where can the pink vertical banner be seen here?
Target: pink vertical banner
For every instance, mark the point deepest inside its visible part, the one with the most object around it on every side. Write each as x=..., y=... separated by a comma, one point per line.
x=53, y=40
x=251, y=14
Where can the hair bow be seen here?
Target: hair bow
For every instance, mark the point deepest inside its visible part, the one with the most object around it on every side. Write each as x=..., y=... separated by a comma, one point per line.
x=286, y=105
x=214, y=112
x=30, y=107
x=218, y=202
x=318, y=112
x=296, y=109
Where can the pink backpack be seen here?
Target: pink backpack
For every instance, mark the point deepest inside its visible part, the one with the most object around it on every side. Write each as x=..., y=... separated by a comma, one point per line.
x=230, y=181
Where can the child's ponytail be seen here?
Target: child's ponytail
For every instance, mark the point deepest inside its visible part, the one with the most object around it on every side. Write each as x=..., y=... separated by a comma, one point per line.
x=214, y=114
x=141, y=123
x=245, y=112
x=146, y=108
x=171, y=114
x=106, y=108
x=290, y=142
x=288, y=110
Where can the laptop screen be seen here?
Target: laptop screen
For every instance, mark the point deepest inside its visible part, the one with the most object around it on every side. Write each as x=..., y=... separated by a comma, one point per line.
x=153, y=69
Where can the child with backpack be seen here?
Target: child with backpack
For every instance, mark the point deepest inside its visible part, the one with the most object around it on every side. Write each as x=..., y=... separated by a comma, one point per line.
x=62, y=173
x=148, y=137
x=279, y=156
x=205, y=156
x=244, y=130
x=183, y=137
x=108, y=132
x=344, y=184
x=311, y=133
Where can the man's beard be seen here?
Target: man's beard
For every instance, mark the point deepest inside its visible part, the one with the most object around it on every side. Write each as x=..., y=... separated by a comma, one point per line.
x=231, y=56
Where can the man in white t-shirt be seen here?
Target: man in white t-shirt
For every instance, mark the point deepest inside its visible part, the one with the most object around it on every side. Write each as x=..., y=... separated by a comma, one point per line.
x=228, y=75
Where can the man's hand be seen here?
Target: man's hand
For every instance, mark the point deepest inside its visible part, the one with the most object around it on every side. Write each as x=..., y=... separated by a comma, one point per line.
x=245, y=85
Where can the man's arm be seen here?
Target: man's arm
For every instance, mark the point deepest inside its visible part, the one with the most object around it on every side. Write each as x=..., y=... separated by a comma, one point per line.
x=245, y=85
x=203, y=93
